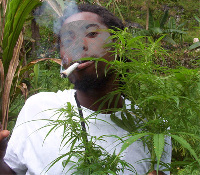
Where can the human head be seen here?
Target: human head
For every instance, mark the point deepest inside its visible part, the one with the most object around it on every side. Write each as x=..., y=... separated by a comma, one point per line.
x=106, y=17
x=75, y=33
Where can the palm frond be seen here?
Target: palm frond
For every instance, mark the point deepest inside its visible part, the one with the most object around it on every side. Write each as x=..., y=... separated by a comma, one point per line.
x=57, y=7
x=8, y=82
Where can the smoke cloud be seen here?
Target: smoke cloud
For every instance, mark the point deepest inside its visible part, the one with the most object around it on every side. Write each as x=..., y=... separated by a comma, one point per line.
x=53, y=12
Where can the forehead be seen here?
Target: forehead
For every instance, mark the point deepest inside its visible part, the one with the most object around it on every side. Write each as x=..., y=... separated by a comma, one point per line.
x=89, y=16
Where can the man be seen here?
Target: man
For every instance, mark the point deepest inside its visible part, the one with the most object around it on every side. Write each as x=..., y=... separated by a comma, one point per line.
x=83, y=34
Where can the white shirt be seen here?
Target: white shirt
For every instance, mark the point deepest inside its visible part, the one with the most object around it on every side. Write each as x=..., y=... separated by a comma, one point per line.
x=30, y=153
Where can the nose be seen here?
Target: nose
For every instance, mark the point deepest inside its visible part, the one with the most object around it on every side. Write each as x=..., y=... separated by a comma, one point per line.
x=85, y=44
x=85, y=48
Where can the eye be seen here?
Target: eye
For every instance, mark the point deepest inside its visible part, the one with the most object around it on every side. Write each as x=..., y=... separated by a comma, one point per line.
x=66, y=42
x=92, y=34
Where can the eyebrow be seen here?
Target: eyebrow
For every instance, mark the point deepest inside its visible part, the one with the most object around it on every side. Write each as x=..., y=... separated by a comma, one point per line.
x=91, y=25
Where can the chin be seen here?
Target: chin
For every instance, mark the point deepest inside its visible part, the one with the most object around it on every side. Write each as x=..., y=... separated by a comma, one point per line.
x=88, y=83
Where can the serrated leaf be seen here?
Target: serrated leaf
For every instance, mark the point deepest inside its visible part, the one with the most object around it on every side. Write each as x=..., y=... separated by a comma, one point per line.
x=132, y=139
x=176, y=99
x=159, y=142
x=117, y=121
x=130, y=119
x=125, y=122
x=186, y=145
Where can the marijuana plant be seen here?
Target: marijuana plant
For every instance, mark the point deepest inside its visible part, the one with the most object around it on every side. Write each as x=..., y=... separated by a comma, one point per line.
x=85, y=155
x=165, y=103
x=12, y=17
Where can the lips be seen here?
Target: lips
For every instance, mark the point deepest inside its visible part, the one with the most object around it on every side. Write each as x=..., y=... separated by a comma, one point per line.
x=85, y=64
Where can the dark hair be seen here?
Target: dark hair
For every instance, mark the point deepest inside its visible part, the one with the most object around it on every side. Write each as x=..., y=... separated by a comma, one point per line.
x=106, y=17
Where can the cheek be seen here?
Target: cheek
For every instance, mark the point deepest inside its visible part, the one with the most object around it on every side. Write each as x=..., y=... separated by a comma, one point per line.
x=66, y=59
x=97, y=47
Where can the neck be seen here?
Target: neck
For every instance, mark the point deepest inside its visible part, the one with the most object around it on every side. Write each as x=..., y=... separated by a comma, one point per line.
x=93, y=98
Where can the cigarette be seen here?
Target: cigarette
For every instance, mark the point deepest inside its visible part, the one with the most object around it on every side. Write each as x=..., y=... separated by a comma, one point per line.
x=69, y=70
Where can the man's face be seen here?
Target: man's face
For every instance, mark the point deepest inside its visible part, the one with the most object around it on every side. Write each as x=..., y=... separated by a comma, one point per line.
x=81, y=39
x=83, y=35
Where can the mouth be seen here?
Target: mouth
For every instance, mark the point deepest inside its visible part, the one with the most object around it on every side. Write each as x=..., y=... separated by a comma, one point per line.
x=85, y=63
x=78, y=65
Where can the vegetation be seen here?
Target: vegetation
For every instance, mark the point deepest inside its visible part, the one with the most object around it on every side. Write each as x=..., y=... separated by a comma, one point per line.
x=13, y=15
x=164, y=76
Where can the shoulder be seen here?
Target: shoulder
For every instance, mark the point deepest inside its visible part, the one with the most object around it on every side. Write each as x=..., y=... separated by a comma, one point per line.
x=44, y=101
x=59, y=97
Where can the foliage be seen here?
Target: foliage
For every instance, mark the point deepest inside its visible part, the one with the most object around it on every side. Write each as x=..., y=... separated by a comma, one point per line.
x=87, y=156
x=159, y=27
x=164, y=97
x=197, y=44
x=14, y=14
x=167, y=99
x=46, y=77
x=165, y=102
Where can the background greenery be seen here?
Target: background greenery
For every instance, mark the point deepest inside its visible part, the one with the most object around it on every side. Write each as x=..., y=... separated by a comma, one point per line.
x=164, y=70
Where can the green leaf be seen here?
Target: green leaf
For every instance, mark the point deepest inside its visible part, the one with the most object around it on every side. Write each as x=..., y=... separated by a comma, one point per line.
x=197, y=18
x=156, y=30
x=132, y=139
x=36, y=72
x=194, y=46
x=169, y=40
x=16, y=15
x=131, y=120
x=159, y=142
x=126, y=122
x=151, y=20
x=186, y=145
x=118, y=121
x=176, y=99
x=172, y=23
x=164, y=19
x=181, y=25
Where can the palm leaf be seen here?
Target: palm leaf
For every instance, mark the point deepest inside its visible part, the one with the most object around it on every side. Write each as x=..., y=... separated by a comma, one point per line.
x=8, y=82
x=57, y=6
x=16, y=13
x=15, y=17
x=3, y=6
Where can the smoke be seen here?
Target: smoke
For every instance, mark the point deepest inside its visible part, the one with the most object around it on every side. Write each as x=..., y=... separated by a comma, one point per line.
x=54, y=12
x=70, y=7
x=50, y=16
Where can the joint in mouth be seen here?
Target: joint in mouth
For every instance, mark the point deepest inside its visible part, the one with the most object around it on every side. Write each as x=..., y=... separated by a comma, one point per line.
x=69, y=70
